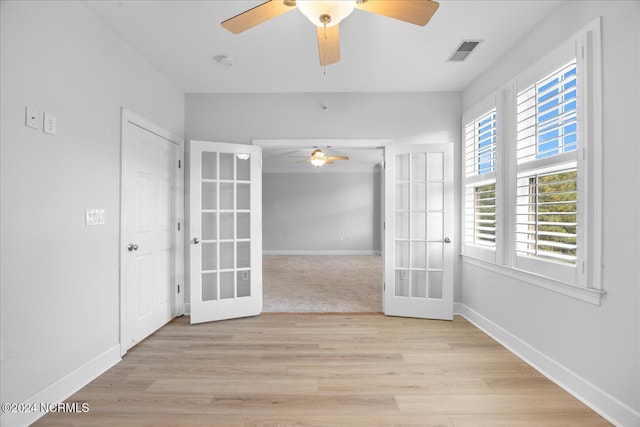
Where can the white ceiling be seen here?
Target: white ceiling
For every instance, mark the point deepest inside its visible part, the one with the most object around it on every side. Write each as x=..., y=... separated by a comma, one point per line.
x=379, y=54
x=181, y=38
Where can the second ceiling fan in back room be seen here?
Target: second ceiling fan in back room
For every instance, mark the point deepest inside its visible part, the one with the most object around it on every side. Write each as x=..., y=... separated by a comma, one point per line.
x=318, y=158
x=327, y=14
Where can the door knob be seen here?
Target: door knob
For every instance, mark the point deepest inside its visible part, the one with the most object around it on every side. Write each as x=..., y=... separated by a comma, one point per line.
x=196, y=240
x=132, y=247
x=447, y=240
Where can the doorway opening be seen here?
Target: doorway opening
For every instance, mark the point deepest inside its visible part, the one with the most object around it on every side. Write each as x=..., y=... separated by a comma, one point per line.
x=322, y=227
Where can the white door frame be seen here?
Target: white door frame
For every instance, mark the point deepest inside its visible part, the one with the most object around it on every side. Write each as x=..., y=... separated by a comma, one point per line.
x=178, y=237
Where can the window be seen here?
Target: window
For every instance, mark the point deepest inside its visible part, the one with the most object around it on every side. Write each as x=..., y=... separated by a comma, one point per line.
x=547, y=192
x=532, y=173
x=480, y=184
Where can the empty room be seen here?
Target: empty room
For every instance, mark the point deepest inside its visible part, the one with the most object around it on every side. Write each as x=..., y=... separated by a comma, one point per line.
x=437, y=187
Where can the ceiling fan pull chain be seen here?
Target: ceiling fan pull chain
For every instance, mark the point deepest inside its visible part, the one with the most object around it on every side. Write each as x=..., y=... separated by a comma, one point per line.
x=324, y=51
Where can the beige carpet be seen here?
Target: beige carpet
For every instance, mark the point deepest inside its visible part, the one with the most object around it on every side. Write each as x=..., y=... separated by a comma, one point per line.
x=322, y=284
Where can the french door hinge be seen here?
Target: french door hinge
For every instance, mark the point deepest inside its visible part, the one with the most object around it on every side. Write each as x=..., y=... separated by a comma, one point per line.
x=384, y=286
x=179, y=163
x=178, y=288
x=178, y=226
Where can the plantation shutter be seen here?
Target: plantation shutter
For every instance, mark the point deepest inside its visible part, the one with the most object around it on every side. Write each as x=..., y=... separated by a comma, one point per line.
x=547, y=178
x=480, y=181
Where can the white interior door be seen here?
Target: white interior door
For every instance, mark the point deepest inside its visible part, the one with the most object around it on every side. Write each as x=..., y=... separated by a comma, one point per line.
x=419, y=227
x=151, y=252
x=225, y=210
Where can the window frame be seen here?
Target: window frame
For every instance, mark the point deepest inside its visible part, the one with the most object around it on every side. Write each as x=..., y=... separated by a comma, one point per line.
x=584, y=281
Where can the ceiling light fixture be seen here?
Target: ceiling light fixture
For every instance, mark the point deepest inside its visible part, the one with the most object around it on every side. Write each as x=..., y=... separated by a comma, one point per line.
x=326, y=13
x=318, y=158
x=317, y=162
x=243, y=156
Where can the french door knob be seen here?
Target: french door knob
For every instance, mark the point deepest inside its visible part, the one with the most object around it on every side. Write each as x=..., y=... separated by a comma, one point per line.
x=447, y=240
x=132, y=247
x=196, y=240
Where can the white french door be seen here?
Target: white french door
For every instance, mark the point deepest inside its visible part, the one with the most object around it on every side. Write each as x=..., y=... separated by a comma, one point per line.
x=419, y=224
x=225, y=211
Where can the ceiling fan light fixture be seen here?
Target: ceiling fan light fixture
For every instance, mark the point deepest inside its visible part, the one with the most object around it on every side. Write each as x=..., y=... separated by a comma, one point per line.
x=317, y=162
x=243, y=156
x=326, y=12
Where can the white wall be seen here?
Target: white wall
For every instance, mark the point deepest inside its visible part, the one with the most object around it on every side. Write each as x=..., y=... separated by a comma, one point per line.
x=402, y=117
x=321, y=212
x=59, y=278
x=596, y=344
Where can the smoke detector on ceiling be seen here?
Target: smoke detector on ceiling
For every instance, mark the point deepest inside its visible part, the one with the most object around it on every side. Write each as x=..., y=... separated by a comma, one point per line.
x=464, y=50
x=225, y=60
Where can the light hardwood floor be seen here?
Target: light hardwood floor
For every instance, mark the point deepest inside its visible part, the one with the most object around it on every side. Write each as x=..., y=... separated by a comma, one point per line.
x=323, y=370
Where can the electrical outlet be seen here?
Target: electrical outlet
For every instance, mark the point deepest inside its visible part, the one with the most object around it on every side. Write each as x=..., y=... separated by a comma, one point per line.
x=50, y=125
x=31, y=117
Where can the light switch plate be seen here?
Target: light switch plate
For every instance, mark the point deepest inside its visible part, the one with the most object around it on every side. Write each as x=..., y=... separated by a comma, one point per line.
x=50, y=125
x=94, y=217
x=31, y=117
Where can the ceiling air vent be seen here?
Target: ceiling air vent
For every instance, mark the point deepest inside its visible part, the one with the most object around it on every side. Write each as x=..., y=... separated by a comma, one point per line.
x=463, y=50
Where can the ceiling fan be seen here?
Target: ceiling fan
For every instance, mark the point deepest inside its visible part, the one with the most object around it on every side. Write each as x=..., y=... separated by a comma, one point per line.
x=318, y=158
x=327, y=14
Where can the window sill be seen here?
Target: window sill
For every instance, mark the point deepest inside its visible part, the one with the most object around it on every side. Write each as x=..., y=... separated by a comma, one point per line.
x=591, y=296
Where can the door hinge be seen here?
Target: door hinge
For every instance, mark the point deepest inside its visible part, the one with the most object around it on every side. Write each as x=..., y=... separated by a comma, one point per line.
x=178, y=226
x=178, y=288
x=179, y=163
x=384, y=286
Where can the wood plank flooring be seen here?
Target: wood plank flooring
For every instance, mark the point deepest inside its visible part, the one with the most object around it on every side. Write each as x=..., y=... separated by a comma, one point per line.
x=320, y=371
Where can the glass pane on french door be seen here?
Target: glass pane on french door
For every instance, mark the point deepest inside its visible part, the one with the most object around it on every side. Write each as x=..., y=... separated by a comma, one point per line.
x=226, y=233
x=419, y=213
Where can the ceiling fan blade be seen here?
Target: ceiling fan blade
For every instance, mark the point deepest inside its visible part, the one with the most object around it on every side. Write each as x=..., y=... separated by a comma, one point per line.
x=329, y=45
x=338, y=157
x=256, y=16
x=417, y=12
x=304, y=161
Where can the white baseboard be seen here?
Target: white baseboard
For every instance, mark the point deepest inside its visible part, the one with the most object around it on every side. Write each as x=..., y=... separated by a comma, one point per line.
x=187, y=309
x=63, y=388
x=322, y=252
x=610, y=408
